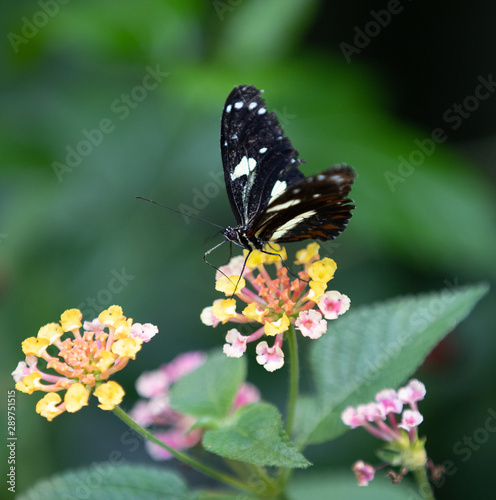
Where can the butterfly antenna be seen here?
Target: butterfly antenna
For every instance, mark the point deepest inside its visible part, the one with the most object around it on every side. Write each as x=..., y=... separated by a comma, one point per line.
x=241, y=273
x=222, y=272
x=182, y=213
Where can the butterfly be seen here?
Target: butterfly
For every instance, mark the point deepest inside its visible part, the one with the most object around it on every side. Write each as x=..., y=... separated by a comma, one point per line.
x=272, y=201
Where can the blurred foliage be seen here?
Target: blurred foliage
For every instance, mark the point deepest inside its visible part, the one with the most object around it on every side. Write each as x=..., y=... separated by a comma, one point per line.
x=63, y=240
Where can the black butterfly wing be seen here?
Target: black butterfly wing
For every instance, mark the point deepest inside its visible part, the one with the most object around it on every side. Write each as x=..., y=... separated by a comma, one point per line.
x=259, y=161
x=317, y=207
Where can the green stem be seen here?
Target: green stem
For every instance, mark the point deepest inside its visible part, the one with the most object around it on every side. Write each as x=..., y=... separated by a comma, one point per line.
x=423, y=484
x=294, y=379
x=183, y=457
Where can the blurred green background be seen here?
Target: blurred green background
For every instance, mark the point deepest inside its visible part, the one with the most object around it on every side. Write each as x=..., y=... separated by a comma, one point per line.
x=366, y=84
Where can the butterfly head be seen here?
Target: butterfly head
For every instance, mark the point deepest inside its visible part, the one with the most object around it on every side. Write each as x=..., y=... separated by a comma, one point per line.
x=237, y=235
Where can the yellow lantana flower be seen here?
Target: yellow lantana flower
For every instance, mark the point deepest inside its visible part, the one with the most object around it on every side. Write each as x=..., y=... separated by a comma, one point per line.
x=29, y=383
x=71, y=319
x=109, y=394
x=34, y=346
x=275, y=327
x=52, y=332
x=110, y=315
x=47, y=406
x=322, y=270
x=76, y=397
x=229, y=285
x=224, y=310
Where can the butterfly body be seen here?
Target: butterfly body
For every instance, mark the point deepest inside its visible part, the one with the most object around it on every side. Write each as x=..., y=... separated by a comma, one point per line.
x=271, y=199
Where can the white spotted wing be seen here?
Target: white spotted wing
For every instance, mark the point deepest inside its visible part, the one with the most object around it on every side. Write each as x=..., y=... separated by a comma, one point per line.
x=270, y=198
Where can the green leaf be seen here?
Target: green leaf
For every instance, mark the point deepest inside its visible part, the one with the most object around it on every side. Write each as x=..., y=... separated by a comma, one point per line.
x=109, y=482
x=209, y=391
x=373, y=348
x=255, y=435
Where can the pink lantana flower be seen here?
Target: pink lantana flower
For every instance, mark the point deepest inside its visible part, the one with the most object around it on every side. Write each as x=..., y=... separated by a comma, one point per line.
x=247, y=394
x=389, y=400
x=149, y=384
x=410, y=420
x=235, y=344
x=144, y=332
x=333, y=304
x=363, y=472
x=311, y=324
x=413, y=392
x=272, y=358
x=169, y=426
x=274, y=305
x=404, y=449
x=179, y=436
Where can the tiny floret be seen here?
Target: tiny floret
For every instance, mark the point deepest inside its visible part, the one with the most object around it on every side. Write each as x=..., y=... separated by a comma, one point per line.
x=272, y=358
x=278, y=326
x=235, y=344
x=111, y=315
x=71, y=320
x=207, y=317
x=389, y=400
x=35, y=346
x=52, y=332
x=311, y=324
x=413, y=392
x=48, y=407
x=333, y=304
x=109, y=394
x=363, y=472
x=224, y=309
x=76, y=397
x=410, y=419
x=322, y=270
x=230, y=285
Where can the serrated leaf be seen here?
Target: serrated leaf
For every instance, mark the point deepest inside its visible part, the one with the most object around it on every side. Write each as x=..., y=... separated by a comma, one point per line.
x=376, y=347
x=109, y=482
x=255, y=435
x=209, y=391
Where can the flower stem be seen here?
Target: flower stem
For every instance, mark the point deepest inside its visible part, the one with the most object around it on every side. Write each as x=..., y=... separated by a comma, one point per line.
x=294, y=378
x=183, y=457
x=423, y=484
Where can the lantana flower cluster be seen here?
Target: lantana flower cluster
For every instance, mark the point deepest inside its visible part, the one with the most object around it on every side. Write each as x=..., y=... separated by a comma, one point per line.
x=404, y=449
x=62, y=358
x=275, y=304
x=169, y=426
